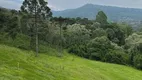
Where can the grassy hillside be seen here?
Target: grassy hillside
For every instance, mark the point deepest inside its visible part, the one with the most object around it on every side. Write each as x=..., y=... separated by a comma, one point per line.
x=16, y=64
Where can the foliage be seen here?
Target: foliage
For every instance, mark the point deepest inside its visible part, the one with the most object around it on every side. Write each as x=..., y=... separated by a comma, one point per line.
x=42, y=10
x=22, y=41
x=127, y=29
x=117, y=56
x=98, y=48
x=76, y=36
x=14, y=61
x=134, y=46
x=91, y=39
x=101, y=18
x=99, y=32
x=138, y=61
x=9, y=22
x=115, y=33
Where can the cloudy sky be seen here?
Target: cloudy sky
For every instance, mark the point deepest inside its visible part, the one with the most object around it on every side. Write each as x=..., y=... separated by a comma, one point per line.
x=69, y=4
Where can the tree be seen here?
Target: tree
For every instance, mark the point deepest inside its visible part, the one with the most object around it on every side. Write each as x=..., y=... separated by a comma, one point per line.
x=101, y=18
x=98, y=48
x=38, y=7
x=38, y=10
x=9, y=22
x=127, y=29
x=98, y=33
x=138, y=61
x=116, y=56
x=133, y=46
x=115, y=33
x=76, y=36
x=94, y=26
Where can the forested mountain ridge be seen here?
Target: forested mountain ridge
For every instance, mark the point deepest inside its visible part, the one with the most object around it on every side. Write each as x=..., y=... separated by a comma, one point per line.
x=113, y=13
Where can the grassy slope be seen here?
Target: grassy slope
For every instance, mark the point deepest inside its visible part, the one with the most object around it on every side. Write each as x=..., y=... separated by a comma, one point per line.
x=16, y=64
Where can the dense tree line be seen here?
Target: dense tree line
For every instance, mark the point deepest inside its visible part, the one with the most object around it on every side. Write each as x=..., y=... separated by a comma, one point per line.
x=95, y=39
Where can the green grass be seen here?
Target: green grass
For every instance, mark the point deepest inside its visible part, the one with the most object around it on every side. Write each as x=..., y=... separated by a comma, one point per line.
x=16, y=64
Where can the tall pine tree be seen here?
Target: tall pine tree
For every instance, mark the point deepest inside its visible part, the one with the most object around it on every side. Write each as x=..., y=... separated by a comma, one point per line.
x=37, y=10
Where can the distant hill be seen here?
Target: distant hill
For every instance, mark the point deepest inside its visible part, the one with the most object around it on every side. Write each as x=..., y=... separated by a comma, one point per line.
x=114, y=13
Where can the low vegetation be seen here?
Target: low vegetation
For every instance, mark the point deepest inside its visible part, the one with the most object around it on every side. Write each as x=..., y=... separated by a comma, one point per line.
x=16, y=64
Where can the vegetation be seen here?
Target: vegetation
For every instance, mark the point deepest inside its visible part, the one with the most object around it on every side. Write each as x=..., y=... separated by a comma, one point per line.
x=95, y=39
x=131, y=15
x=38, y=10
x=16, y=64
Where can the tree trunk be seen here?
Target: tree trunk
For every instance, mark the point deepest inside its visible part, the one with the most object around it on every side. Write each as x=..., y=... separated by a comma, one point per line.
x=36, y=31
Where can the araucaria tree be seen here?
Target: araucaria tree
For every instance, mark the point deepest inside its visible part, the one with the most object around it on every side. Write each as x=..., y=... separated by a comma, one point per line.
x=37, y=10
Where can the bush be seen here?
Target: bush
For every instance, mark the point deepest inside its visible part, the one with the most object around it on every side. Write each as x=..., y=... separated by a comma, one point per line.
x=138, y=61
x=21, y=41
x=116, y=56
x=99, y=32
x=98, y=47
x=79, y=50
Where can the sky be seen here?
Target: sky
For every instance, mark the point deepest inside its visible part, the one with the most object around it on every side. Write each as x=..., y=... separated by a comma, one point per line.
x=71, y=4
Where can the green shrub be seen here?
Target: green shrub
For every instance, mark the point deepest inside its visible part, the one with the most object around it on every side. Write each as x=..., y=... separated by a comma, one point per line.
x=138, y=61
x=79, y=50
x=116, y=56
x=21, y=41
x=98, y=47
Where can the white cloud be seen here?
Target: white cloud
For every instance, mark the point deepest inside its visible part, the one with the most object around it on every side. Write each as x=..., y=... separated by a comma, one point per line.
x=54, y=7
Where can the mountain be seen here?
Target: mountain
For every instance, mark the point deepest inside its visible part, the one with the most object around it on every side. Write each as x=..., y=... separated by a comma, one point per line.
x=114, y=13
x=16, y=64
